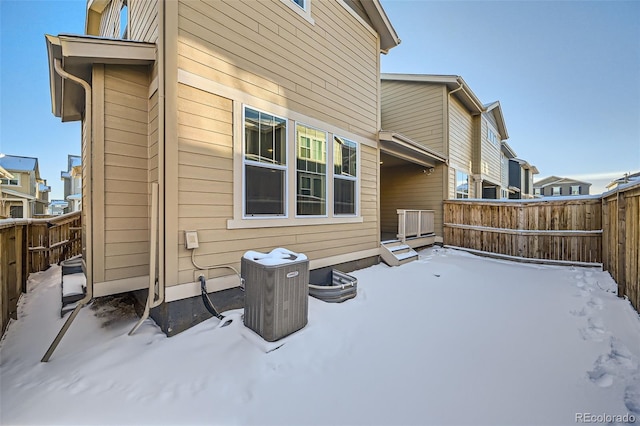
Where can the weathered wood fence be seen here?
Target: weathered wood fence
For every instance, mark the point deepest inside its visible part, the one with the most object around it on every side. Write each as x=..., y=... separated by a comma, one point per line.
x=596, y=230
x=621, y=240
x=31, y=245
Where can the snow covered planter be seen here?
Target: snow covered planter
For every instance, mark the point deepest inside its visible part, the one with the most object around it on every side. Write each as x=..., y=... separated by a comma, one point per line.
x=332, y=285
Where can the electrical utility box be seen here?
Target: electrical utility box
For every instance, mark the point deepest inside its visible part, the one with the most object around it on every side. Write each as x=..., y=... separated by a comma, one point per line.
x=276, y=292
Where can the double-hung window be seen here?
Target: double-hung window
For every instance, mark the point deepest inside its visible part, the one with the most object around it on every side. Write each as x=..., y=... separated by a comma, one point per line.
x=311, y=171
x=345, y=160
x=265, y=164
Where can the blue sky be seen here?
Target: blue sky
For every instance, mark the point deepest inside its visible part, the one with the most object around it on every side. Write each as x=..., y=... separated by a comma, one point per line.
x=567, y=74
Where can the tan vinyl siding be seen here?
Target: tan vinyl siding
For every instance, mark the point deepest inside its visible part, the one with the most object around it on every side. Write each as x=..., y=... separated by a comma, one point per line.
x=110, y=20
x=356, y=5
x=326, y=70
x=407, y=187
x=490, y=153
x=143, y=20
x=460, y=136
x=153, y=137
x=126, y=170
x=205, y=195
x=415, y=110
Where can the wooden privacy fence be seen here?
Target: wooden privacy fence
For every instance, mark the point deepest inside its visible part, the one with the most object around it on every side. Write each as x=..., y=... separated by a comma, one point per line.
x=621, y=240
x=598, y=230
x=562, y=230
x=31, y=245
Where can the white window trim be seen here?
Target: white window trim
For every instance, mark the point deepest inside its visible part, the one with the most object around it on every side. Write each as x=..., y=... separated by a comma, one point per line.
x=455, y=184
x=329, y=159
x=303, y=12
x=258, y=164
x=240, y=98
x=355, y=179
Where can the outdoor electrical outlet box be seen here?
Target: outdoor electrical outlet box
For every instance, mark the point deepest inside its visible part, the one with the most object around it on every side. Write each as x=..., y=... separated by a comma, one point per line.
x=191, y=240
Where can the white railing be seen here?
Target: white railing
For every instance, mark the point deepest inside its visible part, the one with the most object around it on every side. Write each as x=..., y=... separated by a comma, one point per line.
x=415, y=223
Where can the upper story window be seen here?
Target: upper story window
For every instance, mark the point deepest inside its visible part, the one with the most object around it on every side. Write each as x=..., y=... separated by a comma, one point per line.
x=265, y=164
x=575, y=189
x=10, y=182
x=462, y=185
x=301, y=3
x=556, y=190
x=536, y=191
x=493, y=138
x=345, y=160
x=311, y=171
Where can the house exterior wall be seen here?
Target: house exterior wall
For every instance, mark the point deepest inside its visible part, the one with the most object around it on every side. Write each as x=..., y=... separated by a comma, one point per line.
x=416, y=110
x=460, y=144
x=143, y=20
x=110, y=19
x=265, y=56
x=121, y=209
x=565, y=189
x=490, y=164
x=408, y=187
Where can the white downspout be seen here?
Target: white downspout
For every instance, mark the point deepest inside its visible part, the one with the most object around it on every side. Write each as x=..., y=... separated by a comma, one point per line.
x=57, y=64
x=156, y=250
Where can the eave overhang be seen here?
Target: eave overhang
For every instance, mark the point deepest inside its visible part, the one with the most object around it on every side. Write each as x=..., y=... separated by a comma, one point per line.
x=5, y=174
x=455, y=84
x=496, y=109
x=18, y=194
x=402, y=147
x=77, y=55
x=508, y=151
x=388, y=36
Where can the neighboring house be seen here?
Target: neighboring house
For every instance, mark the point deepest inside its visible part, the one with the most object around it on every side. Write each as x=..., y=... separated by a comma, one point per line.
x=258, y=121
x=521, y=179
x=554, y=186
x=23, y=193
x=506, y=154
x=72, y=179
x=57, y=207
x=628, y=177
x=459, y=136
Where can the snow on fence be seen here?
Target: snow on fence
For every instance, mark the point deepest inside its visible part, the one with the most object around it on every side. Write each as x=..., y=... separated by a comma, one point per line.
x=31, y=245
x=582, y=230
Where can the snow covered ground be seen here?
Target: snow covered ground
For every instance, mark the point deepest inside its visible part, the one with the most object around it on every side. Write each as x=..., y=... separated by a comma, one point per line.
x=448, y=339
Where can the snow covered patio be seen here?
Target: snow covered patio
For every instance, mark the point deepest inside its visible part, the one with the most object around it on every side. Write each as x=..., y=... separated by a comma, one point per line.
x=448, y=339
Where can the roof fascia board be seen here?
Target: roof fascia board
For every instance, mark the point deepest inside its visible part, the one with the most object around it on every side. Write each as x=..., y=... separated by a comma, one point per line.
x=409, y=145
x=511, y=154
x=83, y=52
x=496, y=109
x=388, y=36
x=94, y=13
x=18, y=194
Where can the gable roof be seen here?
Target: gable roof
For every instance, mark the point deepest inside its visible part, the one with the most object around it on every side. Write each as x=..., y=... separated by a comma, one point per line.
x=19, y=164
x=555, y=180
x=454, y=83
x=495, y=109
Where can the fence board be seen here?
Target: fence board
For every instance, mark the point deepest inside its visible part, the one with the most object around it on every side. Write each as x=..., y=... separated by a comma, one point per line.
x=28, y=246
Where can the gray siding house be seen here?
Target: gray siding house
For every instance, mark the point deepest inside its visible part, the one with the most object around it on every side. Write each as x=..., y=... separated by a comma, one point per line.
x=554, y=186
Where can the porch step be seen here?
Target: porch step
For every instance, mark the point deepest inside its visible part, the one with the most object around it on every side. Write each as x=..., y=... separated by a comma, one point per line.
x=394, y=253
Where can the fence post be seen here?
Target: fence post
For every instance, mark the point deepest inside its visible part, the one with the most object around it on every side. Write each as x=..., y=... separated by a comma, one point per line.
x=620, y=240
